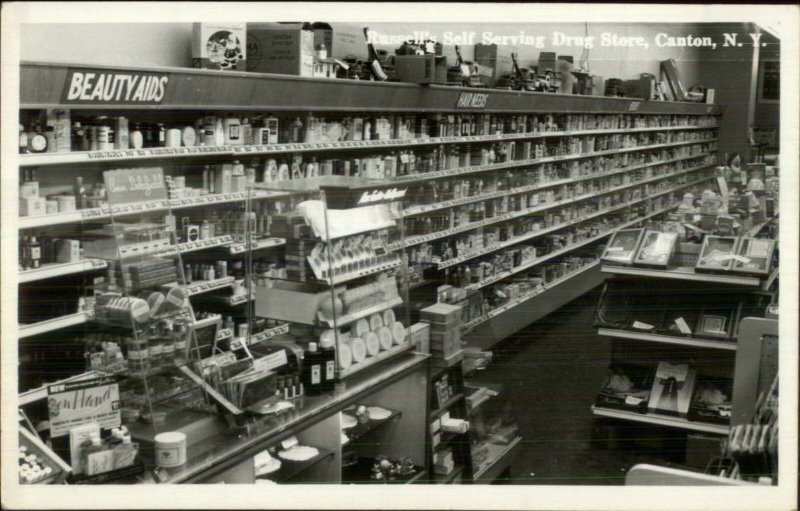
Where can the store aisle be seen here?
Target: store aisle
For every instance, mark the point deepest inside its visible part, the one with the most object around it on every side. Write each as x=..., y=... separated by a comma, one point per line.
x=553, y=371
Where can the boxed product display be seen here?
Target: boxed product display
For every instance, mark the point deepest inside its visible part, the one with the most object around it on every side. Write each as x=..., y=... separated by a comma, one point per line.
x=673, y=387
x=281, y=48
x=627, y=387
x=656, y=248
x=717, y=253
x=219, y=46
x=717, y=321
x=623, y=246
x=712, y=400
x=341, y=40
x=754, y=256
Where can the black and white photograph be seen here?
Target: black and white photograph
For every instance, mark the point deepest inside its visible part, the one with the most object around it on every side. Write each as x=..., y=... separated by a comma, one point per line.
x=308, y=255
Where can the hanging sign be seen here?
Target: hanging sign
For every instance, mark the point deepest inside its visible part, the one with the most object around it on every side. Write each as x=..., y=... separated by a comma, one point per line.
x=73, y=404
x=88, y=86
x=135, y=185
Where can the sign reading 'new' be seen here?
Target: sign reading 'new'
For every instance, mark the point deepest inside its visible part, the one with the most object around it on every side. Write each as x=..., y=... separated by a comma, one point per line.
x=97, y=87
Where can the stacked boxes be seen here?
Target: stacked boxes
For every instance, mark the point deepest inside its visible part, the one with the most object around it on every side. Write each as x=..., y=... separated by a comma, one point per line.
x=445, y=329
x=299, y=245
x=443, y=462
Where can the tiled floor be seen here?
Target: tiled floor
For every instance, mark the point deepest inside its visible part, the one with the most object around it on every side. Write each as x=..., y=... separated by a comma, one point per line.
x=552, y=372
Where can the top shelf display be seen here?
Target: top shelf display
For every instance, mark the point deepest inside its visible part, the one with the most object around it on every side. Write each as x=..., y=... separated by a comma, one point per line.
x=44, y=85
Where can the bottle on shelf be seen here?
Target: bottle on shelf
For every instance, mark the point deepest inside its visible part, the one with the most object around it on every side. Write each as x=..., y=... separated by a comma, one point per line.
x=23, y=140
x=314, y=370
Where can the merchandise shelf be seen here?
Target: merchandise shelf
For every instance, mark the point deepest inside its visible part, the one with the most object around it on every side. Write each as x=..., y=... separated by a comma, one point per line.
x=361, y=429
x=471, y=325
x=416, y=240
x=359, y=473
x=529, y=264
x=475, y=169
x=204, y=286
x=241, y=247
x=355, y=316
x=667, y=339
x=370, y=361
x=50, y=325
x=416, y=210
x=104, y=213
x=290, y=469
x=455, y=398
x=125, y=155
x=49, y=271
x=661, y=420
x=347, y=277
x=499, y=458
x=686, y=273
x=42, y=85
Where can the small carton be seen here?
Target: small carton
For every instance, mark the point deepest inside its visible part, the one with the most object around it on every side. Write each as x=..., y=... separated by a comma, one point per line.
x=280, y=48
x=59, y=119
x=219, y=46
x=341, y=40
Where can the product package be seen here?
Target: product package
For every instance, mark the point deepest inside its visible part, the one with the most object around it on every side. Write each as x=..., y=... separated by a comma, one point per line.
x=656, y=248
x=623, y=246
x=219, y=46
x=673, y=387
x=341, y=40
x=717, y=322
x=717, y=253
x=754, y=256
x=712, y=400
x=280, y=48
x=627, y=387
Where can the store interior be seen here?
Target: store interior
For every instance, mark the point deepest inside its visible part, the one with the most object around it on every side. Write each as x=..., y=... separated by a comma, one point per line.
x=280, y=253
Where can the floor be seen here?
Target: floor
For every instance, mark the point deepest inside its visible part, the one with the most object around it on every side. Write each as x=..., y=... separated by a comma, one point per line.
x=552, y=372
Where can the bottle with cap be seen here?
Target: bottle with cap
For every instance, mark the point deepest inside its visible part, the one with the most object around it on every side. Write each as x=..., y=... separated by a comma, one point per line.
x=125, y=452
x=313, y=370
x=328, y=351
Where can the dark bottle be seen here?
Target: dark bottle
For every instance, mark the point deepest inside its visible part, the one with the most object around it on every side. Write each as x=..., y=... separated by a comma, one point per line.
x=313, y=370
x=329, y=367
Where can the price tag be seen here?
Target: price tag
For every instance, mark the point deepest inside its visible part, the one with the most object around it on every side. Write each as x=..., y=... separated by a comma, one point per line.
x=632, y=401
x=683, y=326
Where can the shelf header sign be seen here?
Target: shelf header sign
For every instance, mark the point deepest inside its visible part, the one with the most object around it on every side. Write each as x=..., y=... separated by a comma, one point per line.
x=87, y=86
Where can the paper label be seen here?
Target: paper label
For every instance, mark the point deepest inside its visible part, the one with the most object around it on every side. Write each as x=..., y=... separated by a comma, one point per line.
x=633, y=401
x=642, y=326
x=289, y=443
x=100, y=462
x=666, y=370
x=271, y=361
x=683, y=326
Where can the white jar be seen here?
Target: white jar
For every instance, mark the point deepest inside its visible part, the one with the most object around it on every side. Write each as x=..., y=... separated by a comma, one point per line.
x=170, y=449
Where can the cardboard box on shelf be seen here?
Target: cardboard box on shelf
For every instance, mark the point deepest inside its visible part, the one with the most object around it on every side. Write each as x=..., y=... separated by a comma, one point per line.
x=420, y=68
x=58, y=118
x=496, y=58
x=280, y=48
x=219, y=46
x=342, y=40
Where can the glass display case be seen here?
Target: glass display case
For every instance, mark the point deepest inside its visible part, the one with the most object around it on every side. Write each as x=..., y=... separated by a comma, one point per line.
x=494, y=430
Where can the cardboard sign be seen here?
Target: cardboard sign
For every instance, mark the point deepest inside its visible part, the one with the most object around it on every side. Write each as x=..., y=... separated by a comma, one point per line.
x=77, y=403
x=135, y=185
x=85, y=86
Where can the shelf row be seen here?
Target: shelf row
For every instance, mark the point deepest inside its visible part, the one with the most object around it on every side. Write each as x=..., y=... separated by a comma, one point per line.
x=475, y=169
x=689, y=274
x=424, y=238
x=416, y=210
x=102, y=213
x=93, y=264
x=125, y=155
x=473, y=324
x=457, y=260
x=667, y=339
x=661, y=420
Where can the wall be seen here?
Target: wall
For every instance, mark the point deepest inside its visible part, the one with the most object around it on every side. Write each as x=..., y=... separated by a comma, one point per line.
x=114, y=44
